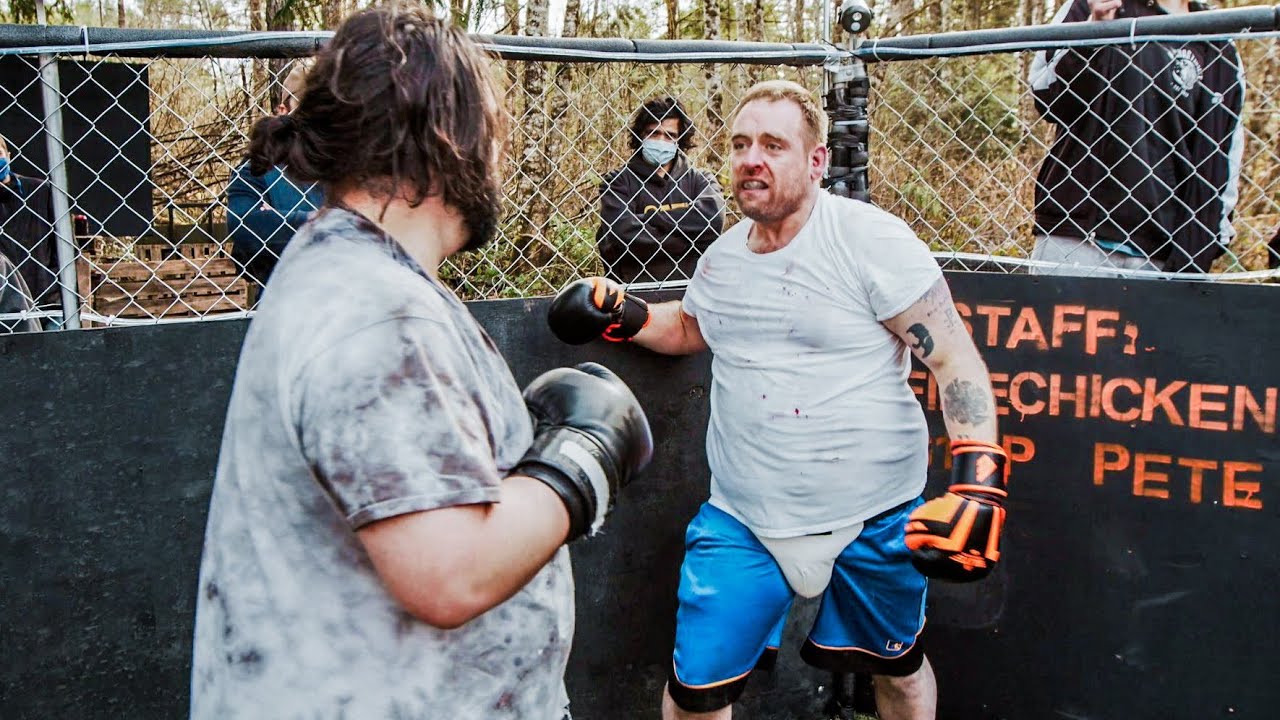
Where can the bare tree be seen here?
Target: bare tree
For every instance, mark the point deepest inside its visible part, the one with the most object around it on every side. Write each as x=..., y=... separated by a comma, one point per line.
x=568, y=126
x=673, y=32
x=279, y=16
x=334, y=10
x=730, y=21
x=797, y=21
x=973, y=19
x=511, y=12
x=564, y=72
x=894, y=15
x=714, y=87
x=511, y=8
x=1026, y=102
x=534, y=250
x=755, y=33
x=261, y=75
x=936, y=16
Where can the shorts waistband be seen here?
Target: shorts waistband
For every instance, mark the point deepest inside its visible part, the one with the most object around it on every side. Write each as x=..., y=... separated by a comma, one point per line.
x=891, y=511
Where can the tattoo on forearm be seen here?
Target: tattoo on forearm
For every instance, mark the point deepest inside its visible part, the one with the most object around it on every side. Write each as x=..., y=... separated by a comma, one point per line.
x=965, y=402
x=924, y=341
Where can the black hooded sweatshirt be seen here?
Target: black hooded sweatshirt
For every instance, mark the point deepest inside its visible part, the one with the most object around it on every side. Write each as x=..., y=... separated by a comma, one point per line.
x=654, y=227
x=1148, y=143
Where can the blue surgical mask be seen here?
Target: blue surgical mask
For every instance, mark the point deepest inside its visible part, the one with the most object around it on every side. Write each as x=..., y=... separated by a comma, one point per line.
x=4, y=169
x=658, y=152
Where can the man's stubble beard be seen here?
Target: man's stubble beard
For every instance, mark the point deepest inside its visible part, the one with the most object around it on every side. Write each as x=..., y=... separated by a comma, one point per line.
x=790, y=200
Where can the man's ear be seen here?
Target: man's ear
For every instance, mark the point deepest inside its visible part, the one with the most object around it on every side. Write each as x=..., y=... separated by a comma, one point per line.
x=280, y=109
x=818, y=162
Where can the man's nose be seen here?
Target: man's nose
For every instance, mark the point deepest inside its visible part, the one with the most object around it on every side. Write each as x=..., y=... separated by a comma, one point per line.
x=751, y=157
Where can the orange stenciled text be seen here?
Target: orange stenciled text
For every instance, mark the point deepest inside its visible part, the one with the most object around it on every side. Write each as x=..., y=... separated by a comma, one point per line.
x=1180, y=403
x=1019, y=448
x=1044, y=328
x=1165, y=476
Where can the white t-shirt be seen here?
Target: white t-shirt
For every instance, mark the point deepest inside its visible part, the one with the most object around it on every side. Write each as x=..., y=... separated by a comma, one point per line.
x=813, y=426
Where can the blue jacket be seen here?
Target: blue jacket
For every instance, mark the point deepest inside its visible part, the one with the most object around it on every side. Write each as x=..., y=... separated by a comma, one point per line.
x=263, y=213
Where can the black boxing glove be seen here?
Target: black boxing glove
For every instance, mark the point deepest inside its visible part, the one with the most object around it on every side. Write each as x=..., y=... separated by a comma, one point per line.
x=957, y=536
x=593, y=308
x=590, y=438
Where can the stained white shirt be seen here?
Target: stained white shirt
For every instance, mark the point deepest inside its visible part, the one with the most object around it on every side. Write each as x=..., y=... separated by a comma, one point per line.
x=813, y=426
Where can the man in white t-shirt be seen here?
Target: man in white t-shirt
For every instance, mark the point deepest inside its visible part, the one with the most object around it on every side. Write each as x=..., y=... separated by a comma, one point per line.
x=817, y=446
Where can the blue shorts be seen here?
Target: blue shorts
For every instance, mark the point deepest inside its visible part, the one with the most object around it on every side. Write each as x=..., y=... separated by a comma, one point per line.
x=734, y=602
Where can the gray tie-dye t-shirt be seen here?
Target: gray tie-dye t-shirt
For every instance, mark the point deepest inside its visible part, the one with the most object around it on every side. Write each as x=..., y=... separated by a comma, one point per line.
x=365, y=390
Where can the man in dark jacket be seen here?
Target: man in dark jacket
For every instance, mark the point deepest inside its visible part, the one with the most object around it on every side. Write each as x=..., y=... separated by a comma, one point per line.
x=658, y=214
x=14, y=299
x=26, y=232
x=1144, y=171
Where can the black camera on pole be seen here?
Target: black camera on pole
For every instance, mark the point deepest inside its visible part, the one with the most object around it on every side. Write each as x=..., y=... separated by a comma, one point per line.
x=855, y=17
x=846, y=106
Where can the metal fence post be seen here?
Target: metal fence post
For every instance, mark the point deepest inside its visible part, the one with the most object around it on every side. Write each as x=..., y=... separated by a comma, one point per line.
x=846, y=87
x=51, y=93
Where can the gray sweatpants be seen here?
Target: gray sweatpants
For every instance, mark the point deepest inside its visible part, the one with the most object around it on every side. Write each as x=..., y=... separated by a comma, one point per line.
x=1074, y=256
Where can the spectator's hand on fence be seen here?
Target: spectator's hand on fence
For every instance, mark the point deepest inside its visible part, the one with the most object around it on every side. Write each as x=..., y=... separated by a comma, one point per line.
x=1103, y=9
x=591, y=437
x=596, y=308
x=957, y=536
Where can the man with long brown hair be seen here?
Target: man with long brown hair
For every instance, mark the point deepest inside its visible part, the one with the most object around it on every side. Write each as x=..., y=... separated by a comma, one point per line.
x=387, y=528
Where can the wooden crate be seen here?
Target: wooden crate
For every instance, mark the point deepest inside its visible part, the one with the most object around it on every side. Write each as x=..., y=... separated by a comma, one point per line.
x=160, y=281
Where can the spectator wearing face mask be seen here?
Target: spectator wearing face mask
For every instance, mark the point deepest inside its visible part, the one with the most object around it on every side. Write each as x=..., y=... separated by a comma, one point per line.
x=657, y=213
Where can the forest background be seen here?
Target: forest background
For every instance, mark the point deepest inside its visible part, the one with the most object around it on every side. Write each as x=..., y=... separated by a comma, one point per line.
x=955, y=143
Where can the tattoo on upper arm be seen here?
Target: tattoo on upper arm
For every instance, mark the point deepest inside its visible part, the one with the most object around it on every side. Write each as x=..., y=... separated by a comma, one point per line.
x=939, y=305
x=924, y=341
x=952, y=318
x=965, y=402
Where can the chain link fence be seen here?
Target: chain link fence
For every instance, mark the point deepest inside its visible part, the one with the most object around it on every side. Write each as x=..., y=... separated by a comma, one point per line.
x=149, y=145
x=982, y=161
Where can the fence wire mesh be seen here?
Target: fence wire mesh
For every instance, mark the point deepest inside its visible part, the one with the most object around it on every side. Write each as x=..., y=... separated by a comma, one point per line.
x=957, y=145
x=959, y=148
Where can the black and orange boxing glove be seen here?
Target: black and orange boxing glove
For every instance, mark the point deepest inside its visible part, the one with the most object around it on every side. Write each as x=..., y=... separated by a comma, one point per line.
x=593, y=308
x=957, y=536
